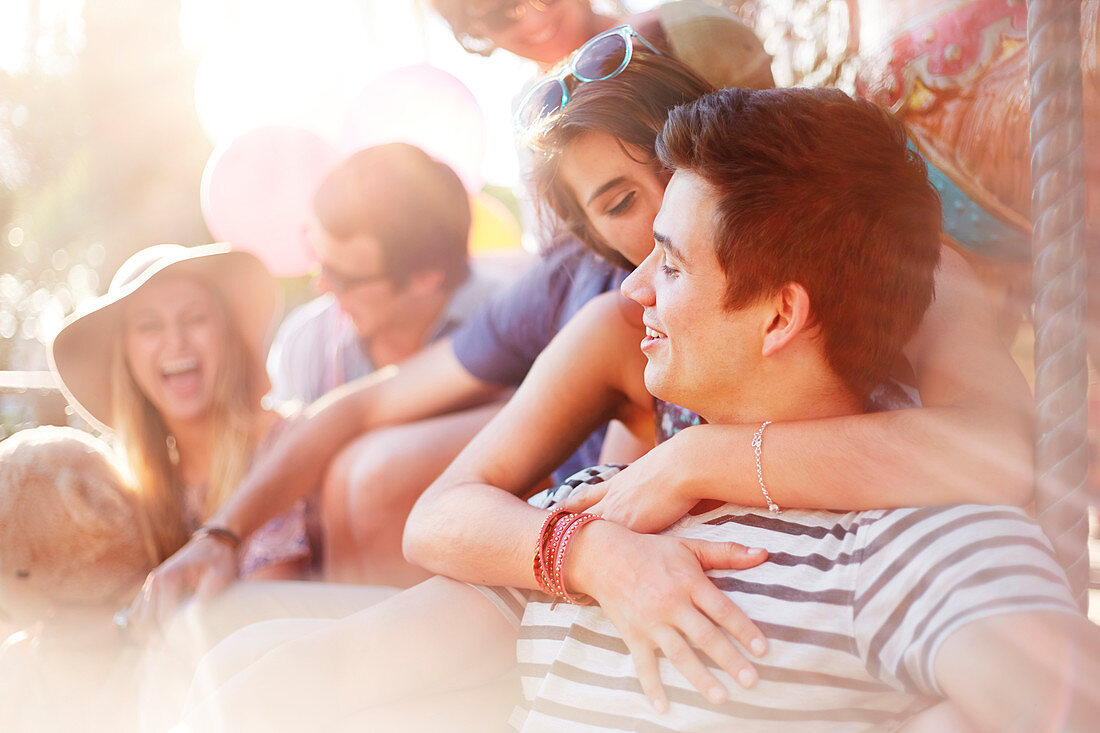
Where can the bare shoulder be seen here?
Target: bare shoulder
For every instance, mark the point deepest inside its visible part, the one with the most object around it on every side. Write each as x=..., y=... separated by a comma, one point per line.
x=602, y=340
x=618, y=326
x=955, y=278
x=608, y=316
x=960, y=314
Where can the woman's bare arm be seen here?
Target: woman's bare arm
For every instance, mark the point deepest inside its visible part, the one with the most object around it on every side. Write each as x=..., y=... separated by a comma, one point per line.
x=467, y=523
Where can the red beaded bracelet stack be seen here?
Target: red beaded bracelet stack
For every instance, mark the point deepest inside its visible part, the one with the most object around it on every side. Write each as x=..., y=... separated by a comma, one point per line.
x=550, y=551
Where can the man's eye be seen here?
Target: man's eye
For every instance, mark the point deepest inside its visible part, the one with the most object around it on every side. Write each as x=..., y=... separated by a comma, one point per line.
x=623, y=205
x=669, y=271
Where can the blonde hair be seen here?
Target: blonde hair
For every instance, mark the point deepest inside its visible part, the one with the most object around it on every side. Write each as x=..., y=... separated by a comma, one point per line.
x=145, y=441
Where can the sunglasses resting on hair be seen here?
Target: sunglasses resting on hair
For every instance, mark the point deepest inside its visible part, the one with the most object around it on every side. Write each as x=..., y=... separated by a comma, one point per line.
x=601, y=57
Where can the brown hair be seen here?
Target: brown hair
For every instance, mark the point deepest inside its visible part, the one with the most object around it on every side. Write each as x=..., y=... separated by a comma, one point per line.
x=631, y=107
x=416, y=208
x=817, y=188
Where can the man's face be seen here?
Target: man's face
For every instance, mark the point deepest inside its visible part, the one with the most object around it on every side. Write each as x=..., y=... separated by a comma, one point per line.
x=352, y=269
x=700, y=355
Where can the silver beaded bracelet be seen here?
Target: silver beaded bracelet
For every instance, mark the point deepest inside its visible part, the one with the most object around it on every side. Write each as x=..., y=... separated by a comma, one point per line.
x=758, y=449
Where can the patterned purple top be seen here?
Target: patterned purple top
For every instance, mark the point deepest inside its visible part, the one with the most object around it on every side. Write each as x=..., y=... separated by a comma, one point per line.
x=283, y=539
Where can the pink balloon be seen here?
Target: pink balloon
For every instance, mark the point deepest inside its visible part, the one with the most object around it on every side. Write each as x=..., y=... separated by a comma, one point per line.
x=257, y=193
x=426, y=107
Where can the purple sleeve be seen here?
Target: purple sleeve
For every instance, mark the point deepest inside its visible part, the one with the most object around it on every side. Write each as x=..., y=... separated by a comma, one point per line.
x=283, y=539
x=501, y=341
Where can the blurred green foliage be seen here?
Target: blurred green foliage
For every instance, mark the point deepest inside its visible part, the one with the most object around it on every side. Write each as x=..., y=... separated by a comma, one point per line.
x=101, y=153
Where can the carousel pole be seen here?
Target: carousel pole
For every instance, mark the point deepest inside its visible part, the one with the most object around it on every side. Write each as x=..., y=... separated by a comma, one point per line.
x=1058, y=249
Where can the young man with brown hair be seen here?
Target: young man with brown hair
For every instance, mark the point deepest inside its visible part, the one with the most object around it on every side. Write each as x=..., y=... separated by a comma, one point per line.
x=777, y=291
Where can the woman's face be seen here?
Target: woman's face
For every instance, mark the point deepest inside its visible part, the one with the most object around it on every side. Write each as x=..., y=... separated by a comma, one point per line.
x=620, y=195
x=545, y=31
x=175, y=330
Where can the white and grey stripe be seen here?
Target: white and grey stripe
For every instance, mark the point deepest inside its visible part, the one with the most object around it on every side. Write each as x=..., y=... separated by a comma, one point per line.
x=854, y=606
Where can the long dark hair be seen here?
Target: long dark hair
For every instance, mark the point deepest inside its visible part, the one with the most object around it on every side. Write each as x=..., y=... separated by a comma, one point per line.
x=631, y=107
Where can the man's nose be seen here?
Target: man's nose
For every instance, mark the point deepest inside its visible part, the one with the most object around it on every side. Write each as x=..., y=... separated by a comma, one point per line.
x=638, y=285
x=177, y=335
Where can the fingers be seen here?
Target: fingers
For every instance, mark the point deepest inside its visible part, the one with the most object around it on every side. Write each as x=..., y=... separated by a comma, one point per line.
x=154, y=605
x=725, y=555
x=645, y=663
x=584, y=497
x=724, y=613
x=684, y=658
x=211, y=584
x=710, y=636
x=715, y=604
x=166, y=597
x=141, y=613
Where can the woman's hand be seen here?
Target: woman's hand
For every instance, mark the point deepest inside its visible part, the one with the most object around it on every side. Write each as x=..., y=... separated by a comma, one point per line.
x=646, y=496
x=653, y=588
x=203, y=567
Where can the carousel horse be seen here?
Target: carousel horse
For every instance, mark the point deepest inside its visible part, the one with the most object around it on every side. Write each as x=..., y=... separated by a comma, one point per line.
x=956, y=72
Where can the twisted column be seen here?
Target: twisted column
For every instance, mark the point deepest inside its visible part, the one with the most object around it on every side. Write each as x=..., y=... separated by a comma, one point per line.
x=1058, y=215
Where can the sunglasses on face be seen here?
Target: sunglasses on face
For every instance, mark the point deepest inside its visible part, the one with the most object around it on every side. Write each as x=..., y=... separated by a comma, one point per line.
x=502, y=16
x=602, y=57
x=341, y=284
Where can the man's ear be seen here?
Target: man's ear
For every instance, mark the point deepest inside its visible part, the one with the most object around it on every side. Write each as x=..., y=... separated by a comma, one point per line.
x=790, y=313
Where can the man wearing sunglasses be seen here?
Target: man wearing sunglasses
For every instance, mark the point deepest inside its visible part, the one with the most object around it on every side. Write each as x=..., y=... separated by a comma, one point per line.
x=390, y=229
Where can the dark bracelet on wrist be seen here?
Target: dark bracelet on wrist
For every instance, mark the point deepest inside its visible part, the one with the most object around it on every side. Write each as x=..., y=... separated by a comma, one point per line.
x=219, y=533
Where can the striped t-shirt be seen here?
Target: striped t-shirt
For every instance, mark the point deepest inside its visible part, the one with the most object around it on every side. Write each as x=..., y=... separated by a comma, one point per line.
x=854, y=605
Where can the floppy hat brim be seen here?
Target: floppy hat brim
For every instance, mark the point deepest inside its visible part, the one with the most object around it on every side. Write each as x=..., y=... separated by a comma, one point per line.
x=81, y=352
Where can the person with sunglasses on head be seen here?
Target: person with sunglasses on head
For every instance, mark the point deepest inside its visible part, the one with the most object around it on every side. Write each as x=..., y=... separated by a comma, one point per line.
x=390, y=228
x=598, y=171
x=709, y=39
x=712, y=41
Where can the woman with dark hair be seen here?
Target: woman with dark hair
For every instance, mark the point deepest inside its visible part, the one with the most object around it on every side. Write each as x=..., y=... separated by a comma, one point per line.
x=599, y=174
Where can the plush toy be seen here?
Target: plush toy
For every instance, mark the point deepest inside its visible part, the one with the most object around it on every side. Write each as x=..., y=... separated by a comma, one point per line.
x=70, y=531
x=73, y=549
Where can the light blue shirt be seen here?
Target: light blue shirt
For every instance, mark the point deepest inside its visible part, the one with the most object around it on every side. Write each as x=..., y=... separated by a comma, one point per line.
x=317, y=349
